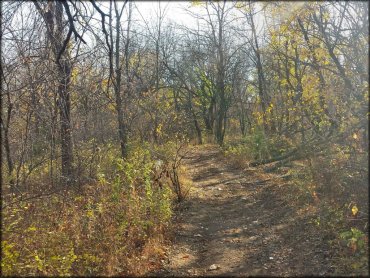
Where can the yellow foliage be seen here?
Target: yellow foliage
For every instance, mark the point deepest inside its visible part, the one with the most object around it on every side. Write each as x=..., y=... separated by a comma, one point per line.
x=196, y=3
x=354, y=210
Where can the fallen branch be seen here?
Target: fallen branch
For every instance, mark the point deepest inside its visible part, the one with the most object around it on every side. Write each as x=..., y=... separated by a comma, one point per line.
x=260, y=182
x=274, y=159
x=41, y=195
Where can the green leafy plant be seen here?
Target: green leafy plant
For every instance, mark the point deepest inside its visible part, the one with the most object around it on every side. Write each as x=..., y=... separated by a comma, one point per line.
x=354, y=239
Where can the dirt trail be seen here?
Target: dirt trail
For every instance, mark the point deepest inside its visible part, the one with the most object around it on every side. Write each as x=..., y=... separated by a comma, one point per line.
x=231, y=225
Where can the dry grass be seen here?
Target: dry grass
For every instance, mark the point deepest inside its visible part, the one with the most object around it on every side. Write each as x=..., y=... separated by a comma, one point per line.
x=74, y=234
x=114, y=226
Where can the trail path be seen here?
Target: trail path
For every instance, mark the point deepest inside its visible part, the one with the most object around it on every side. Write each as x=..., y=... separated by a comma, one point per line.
x=232, y=225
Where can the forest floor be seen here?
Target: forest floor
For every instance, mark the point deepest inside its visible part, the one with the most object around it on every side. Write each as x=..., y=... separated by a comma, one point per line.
x=237, y=222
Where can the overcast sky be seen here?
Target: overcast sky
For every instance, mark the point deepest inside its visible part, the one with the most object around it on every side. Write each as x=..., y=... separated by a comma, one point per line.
x=174, y=10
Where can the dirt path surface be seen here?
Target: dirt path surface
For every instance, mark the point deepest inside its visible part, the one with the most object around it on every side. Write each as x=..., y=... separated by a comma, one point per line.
x=231, y=224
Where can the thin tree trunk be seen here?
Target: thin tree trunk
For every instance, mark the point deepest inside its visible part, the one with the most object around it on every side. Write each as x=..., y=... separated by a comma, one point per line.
x=221, y=115
x=64, y=72
x=261, y=77
x=117, y=84
x=6, y=141
x=65, y=120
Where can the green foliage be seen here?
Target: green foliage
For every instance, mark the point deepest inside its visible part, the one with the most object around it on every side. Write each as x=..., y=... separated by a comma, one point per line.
x=237, y=150
x=355, y=239
x=260, y=145
x=95, y=232
x=257, y=145
x=9, y=256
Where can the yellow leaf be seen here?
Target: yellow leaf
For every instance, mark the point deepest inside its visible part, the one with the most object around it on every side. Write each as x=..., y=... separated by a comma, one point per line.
x=32, y=228
x=90, y=214
x=159, y=129
x=354, y=210
x=354, y=136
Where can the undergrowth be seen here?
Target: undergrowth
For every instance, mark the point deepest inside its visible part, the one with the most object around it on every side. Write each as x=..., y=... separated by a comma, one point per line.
x=255, y=146
x=331, y=189
x=114, y=225
x=339, y=186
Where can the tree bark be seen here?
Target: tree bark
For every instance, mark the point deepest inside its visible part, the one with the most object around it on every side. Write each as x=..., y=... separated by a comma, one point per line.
x=5, y=126
x=117, y=82
x=221, y=113
x=64, y=104
x=53, y=17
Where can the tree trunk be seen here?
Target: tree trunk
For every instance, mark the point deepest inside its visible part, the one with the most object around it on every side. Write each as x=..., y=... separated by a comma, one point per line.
x=6, y=141
x=261, y=77
x=197, y=128
x=117, y=84
x=221, y=115
x=64, y=104
x=53, y=17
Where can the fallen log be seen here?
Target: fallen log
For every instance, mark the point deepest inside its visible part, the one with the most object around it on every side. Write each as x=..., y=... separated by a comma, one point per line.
x=273, y=159
x=261, y=182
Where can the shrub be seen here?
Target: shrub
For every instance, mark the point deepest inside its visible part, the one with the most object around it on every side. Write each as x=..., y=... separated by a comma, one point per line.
x=101, y=230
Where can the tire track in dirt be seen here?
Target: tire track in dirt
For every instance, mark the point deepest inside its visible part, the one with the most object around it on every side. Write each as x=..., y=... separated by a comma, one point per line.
x=231, y=226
